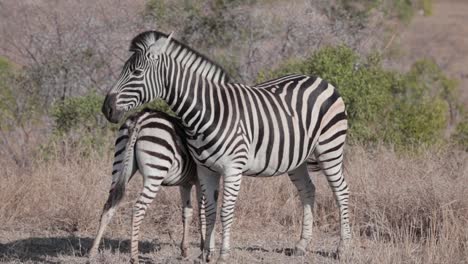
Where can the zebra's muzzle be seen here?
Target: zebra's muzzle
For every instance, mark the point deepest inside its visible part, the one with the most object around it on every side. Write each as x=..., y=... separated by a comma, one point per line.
x=109, y=109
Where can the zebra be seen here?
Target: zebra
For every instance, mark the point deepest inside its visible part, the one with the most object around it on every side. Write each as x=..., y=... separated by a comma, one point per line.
x=153, y=143
x=233, y=129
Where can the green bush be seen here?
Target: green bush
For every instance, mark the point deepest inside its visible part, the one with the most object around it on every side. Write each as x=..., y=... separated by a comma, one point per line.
x=461, y=133
x=382, y=105
x=78, y=113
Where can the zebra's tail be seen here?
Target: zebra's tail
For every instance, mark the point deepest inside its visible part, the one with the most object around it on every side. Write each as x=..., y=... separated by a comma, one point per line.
x=124, y=175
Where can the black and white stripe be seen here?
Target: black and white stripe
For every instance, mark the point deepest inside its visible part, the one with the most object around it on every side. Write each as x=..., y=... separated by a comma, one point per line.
x=152, y=143
x=233, y=129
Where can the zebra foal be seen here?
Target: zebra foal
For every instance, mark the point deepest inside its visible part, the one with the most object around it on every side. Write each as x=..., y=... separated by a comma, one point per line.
x=233, y=129
x=151, y=142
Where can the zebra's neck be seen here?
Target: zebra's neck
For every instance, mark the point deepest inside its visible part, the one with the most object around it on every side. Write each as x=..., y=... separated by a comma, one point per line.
x=187, y=91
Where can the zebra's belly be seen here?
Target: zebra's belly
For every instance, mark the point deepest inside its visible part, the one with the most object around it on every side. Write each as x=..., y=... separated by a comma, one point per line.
x=260, y=162
x=263, y=167
x=259, y=166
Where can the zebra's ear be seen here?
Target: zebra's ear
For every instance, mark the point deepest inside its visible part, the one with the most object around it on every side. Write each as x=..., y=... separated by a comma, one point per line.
x=168, y=41
x=159, y=47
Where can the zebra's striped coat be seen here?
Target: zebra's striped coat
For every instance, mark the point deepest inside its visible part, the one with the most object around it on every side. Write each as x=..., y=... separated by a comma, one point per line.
x=235, y=129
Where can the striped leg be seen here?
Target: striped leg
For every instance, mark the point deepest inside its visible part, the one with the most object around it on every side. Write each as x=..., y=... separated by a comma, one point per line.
x=201, y=214
x=305, y=187
x=187, y=212
x=151, y=187
x=330, y=159
x=209, y=184
x=231, y=187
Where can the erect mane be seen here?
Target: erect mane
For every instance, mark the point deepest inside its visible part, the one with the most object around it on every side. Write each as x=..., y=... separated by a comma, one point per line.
x=144, y=40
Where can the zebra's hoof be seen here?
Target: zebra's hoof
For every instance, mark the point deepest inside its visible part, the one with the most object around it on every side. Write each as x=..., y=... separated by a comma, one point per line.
x=92, y=253
x=184, y=252
x=134, y=261
x=223, y=258
x=206, y=256
x=299, y=252
x=344, y=249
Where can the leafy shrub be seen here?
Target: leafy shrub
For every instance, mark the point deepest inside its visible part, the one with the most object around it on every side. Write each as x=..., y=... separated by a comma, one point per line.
x=78, y=126
x=382, y=105
x=426, y=5
x=461, y=133
x=78, y=112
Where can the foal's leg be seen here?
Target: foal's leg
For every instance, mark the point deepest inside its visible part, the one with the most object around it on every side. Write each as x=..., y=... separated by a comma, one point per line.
x=106, y=216
x=201, y=215
x=151, y=186
x=305, y=187
x=115, y=196
x=187, y=212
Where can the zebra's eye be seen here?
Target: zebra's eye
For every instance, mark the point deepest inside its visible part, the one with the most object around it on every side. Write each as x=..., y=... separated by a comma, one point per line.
x=137, y=72
x=151, y=56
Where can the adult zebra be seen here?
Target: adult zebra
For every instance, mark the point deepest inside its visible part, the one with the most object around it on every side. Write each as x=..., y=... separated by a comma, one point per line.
x=153, y=143
x=233, y=129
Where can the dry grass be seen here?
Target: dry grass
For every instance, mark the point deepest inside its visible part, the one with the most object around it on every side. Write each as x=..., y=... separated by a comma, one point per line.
x=406, y=209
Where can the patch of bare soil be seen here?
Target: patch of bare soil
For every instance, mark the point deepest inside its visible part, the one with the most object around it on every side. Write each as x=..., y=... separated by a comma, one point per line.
x=442, y=36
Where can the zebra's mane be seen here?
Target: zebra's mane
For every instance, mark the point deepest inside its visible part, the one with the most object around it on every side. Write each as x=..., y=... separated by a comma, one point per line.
x=144, y=40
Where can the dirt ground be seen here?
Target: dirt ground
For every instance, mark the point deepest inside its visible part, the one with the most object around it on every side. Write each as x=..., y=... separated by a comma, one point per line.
x=442, y=36
x=155, y=247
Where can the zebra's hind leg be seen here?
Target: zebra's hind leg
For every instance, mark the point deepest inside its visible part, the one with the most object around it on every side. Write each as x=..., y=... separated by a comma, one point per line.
x=187, y=212
x=209, y=185
x=329, y=154
x=305, y=187
x=150, y=189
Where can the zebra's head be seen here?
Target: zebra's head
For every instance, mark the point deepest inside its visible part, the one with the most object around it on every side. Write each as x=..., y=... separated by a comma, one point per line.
x=142, y=78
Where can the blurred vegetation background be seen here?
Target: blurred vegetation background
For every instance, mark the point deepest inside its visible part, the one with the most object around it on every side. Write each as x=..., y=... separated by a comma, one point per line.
x=57, y=61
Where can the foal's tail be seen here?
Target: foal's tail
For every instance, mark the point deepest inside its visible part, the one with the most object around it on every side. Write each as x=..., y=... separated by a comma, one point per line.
x=126, y=171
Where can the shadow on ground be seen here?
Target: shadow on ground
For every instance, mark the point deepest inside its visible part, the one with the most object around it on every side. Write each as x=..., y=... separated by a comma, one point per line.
x=40, y=248
x=288, y=251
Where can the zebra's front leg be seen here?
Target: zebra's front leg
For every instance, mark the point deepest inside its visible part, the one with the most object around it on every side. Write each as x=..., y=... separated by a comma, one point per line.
x=147, y=196
x=231, y=187
x=305, y=187
x=187, y=212
x=209, y=184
